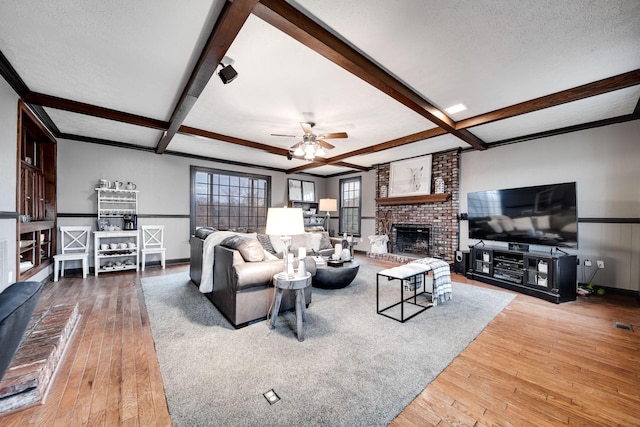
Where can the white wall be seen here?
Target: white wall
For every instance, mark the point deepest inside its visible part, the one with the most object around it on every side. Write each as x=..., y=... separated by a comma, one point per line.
x=163, y=182
x=8, y=144
x=605, y=163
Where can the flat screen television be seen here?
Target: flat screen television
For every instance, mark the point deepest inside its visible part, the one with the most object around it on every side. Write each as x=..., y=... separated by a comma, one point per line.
x=540, y=215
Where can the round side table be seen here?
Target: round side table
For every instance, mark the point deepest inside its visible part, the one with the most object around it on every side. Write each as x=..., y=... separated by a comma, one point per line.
x=297, y=283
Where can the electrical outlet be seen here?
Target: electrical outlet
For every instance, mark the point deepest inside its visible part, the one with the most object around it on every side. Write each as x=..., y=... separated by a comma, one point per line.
x=600, y=263
x=587, y=263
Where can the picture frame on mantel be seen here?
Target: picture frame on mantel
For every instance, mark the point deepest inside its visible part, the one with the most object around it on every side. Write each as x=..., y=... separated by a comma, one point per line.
x=410, y=177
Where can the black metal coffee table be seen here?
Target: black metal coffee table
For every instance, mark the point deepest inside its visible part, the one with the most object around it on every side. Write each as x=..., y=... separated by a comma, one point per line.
x=328, y=277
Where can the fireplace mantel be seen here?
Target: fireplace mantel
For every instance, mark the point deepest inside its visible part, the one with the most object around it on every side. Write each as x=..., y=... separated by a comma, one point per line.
x=413, y=200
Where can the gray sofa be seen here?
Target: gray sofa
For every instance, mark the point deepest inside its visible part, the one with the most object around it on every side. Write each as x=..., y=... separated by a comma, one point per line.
x=242, y=290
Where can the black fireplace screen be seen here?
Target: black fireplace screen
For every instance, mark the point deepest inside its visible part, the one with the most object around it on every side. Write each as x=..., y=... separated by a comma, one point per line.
x=424, y=240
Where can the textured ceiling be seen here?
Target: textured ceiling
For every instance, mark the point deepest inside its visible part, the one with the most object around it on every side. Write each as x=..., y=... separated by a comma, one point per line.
x=136, y=58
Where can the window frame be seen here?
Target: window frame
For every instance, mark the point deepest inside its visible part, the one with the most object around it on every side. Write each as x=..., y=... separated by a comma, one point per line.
x=194, y=170
x=341, y=206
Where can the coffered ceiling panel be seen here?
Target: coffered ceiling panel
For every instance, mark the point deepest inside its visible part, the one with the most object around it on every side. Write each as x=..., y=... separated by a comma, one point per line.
x=132, y=56
x=109, y=130
x=613, y=104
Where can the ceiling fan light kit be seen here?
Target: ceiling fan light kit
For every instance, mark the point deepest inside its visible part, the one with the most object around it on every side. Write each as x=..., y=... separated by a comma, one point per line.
x=312, y=145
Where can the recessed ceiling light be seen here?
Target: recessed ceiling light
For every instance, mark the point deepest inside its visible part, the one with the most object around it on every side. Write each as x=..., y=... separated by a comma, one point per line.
x=455, y=108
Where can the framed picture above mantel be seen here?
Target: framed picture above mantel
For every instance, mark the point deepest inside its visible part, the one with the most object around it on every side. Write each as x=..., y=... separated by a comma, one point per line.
x=301, y=191
x=410, y=177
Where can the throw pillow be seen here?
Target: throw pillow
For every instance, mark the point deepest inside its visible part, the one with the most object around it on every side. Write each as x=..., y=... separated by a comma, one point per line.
x=203, y=232
x=266, y=243
x=298, y=241
x=314, y=241
x=325, y=241
x=250, y=249
x=276, y=243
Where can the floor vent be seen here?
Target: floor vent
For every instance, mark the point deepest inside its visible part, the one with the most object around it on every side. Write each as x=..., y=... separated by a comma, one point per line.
x=624, y=326
x=271, y=397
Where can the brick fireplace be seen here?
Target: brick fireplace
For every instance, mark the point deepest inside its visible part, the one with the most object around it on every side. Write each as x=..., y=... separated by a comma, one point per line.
x=436, y=218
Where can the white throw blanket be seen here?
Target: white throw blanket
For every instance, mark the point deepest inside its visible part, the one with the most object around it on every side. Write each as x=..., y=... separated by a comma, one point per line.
x=441, y=278
x=212, y=240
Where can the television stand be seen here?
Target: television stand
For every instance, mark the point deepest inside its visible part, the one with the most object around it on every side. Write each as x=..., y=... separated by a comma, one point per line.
x=539, y=274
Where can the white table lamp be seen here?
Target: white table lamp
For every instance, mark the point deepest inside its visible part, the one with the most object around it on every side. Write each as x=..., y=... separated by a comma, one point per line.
x=285, y=222
x=329, y=205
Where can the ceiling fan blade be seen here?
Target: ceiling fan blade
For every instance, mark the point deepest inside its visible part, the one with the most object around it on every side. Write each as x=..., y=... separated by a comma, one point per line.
x=324, y=144
x=306, y=127
x=279, y=134
x=334, y=135
x=293, y=147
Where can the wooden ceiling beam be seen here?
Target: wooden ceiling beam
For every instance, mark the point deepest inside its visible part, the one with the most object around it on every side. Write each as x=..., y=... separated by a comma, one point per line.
x=92, y=110
x=232, y=18
x=398, y=142
x=187, y=130
x=291, y=21
x=321, y=161
x=599, y=87
x=352, y=166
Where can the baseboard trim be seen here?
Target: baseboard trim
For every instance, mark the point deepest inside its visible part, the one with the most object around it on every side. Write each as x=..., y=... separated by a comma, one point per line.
x=78, y=271
x=616, y=291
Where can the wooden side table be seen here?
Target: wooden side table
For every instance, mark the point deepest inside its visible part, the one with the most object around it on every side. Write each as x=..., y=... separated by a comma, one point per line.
x=282, y=281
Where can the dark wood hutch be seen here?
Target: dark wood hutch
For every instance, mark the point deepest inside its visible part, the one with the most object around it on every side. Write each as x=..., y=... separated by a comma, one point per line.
x=35, y=195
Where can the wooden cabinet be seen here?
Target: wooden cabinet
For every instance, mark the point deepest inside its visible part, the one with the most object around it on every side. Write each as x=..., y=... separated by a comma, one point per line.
x=35, y=195
x=32, y=202
x=35, y=247
x=546, y=276
x=116, y=251
x=119, y=249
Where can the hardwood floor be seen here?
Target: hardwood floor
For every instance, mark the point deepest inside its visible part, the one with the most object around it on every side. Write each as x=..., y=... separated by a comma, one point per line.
x=536, y=363
x=109, y=374
x=541, y=364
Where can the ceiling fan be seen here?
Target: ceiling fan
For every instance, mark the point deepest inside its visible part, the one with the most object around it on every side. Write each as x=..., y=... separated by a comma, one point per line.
x=312, y=145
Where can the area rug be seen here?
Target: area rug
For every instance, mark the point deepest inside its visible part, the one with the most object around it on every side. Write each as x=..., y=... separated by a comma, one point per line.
x=354, y=368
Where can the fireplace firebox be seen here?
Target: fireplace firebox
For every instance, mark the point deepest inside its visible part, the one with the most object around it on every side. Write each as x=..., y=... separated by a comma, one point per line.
x=417, y=240
x=411, y=239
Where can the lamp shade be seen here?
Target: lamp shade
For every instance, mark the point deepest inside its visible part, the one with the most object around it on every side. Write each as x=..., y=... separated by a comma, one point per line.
x=285, y=221
x=329, y=205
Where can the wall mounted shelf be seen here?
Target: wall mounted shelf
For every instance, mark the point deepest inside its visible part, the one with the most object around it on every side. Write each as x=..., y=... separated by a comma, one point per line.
x=413, y=200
